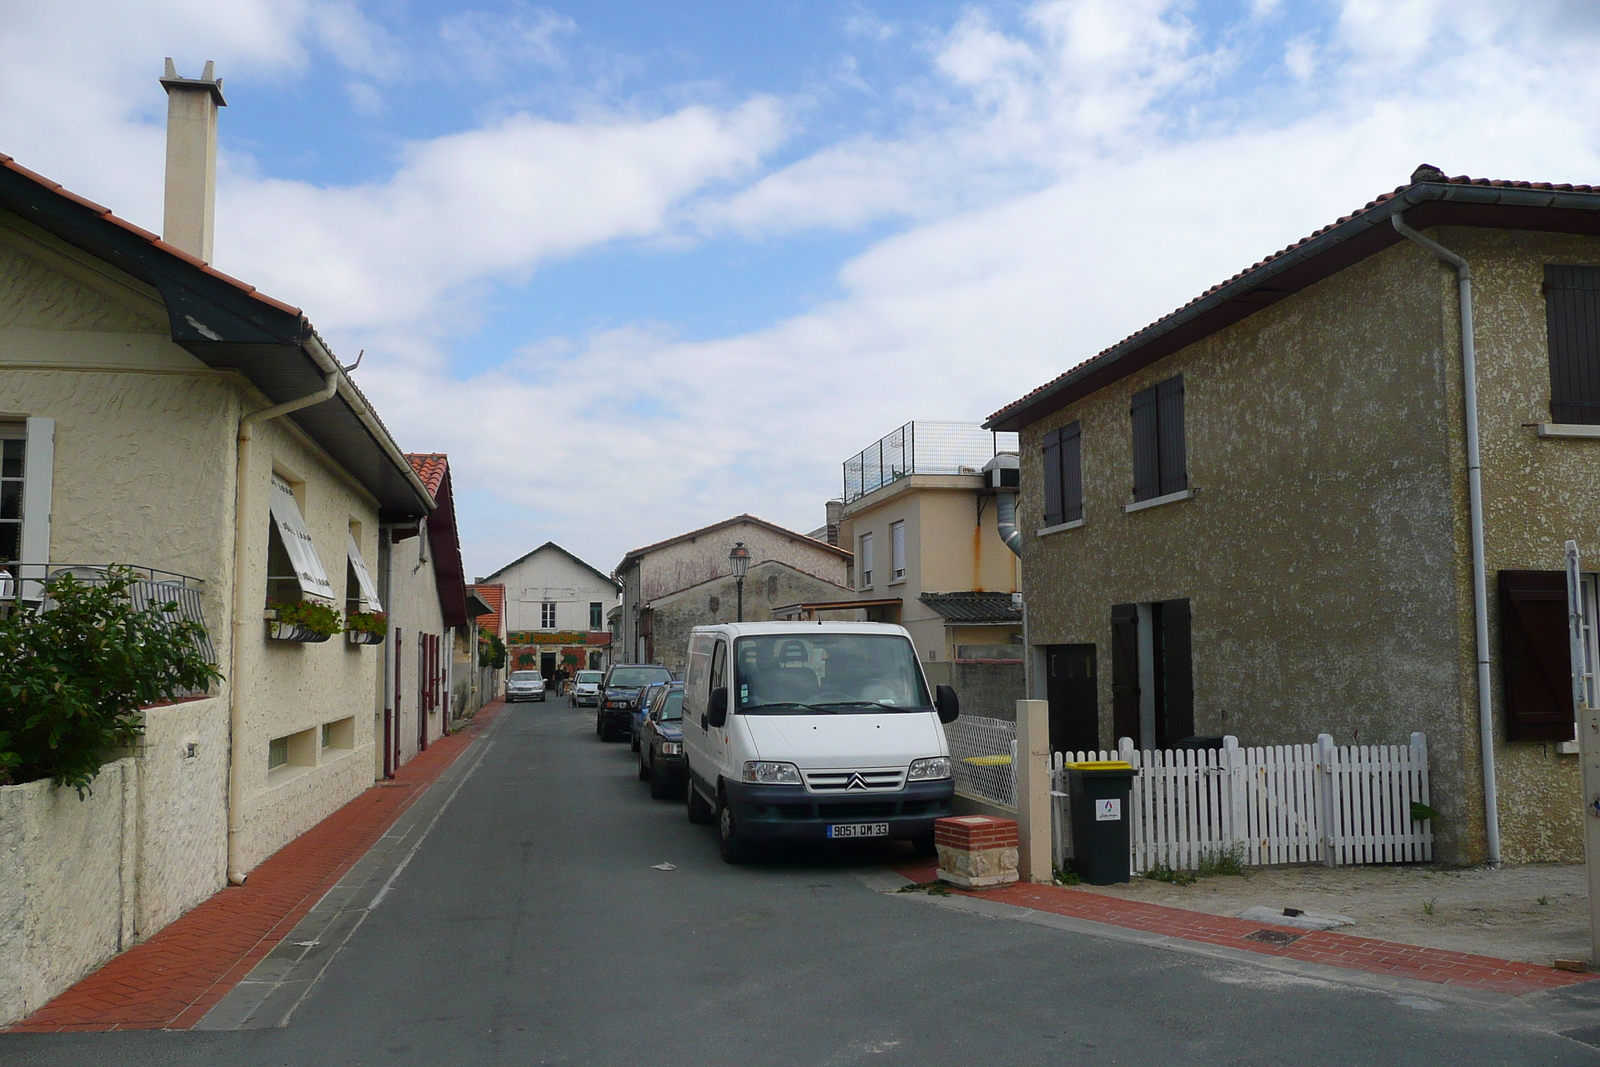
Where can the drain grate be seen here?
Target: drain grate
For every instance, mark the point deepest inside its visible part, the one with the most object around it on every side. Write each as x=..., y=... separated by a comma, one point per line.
x=1274, y=937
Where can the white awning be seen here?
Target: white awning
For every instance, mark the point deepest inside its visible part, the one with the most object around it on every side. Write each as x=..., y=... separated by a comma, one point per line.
x=369, y=592
x=308, y=570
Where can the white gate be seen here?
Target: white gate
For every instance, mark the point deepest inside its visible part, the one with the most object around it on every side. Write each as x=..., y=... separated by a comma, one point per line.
x=1335, y=804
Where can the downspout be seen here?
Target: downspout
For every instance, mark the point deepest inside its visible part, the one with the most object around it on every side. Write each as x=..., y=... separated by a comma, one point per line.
x=1480, y=593
x=1005, y=521
x=236, y=725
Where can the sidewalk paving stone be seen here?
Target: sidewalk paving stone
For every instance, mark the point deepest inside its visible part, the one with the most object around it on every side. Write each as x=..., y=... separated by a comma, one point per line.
x=171, y=980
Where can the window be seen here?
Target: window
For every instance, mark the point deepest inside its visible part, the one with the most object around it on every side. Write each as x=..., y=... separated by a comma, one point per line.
x=1572, y=322
x=327, y=734
x=361, y=594
x=12, y=451
x=595, y=620
x=719, y=668
x=897, y=546
x=299, y=552
x=1152, y=673
x=27, y=455
x=547, y=615
x=1158, y=452
x=1536, y=655
x=277, y=752
x=1063, y=475
x=866, y=561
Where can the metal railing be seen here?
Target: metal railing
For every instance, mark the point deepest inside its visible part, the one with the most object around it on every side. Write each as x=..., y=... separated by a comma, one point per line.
x=981, y=755
x=921, y=447
x=24, y=584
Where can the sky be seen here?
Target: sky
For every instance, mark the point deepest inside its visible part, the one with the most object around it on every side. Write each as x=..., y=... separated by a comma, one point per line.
x=640, y=266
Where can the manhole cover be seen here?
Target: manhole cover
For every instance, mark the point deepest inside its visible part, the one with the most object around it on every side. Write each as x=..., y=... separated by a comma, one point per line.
x=1274, y=937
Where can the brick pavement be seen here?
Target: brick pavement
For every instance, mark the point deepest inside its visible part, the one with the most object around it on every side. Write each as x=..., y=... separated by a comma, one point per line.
x=1311, y=946
x=174, y=978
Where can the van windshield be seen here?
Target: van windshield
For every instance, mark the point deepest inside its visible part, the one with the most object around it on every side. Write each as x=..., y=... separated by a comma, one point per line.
x=827, y=674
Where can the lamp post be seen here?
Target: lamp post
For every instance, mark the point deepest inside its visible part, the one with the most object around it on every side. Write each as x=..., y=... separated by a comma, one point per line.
x=739, y=557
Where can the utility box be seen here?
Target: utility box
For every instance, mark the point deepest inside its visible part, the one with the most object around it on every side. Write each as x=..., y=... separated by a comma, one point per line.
x=1098, y=794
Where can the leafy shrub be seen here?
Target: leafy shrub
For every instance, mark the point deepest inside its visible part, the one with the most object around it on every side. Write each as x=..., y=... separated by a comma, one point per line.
x=74, y=676
x=310, y=615
x=1223, y=861
x=491, y=650
x=367, y=622
x=1162, y=873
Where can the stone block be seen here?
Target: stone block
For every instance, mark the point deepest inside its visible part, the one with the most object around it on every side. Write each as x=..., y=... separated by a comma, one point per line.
x=976, y=851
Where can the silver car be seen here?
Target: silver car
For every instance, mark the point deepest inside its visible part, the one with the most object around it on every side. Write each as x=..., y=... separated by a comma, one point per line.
x=585, y=690
x=525, y=685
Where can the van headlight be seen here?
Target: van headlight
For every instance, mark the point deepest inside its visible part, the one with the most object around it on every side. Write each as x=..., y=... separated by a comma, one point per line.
x=764, y=772
x=926, y=770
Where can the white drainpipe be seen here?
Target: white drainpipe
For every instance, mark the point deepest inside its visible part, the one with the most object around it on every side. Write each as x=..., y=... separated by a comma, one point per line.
x=1480, y=593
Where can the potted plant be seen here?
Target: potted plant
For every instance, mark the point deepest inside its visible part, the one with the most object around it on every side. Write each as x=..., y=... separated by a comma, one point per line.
x=366, y=627
x=304, y=620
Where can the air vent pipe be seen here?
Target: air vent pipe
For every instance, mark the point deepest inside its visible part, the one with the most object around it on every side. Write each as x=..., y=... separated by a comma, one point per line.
x=1005, y=519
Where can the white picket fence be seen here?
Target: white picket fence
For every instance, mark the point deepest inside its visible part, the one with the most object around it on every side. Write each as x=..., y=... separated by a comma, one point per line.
x=1327, y=803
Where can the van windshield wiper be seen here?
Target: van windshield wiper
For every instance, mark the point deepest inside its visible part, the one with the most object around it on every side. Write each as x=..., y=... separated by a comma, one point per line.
x=821, y=709
x=865, y=704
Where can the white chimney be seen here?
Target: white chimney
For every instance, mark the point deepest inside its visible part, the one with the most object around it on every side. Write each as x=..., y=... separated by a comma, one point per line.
x=191, y=199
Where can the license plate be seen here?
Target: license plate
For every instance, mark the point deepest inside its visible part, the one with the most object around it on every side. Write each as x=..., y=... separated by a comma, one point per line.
x=859, y=829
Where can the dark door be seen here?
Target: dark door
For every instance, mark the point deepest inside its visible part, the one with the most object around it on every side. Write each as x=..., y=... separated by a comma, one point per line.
x=1070, y=688
x=547, y=665
x=1174, y=672
x=1125, y=673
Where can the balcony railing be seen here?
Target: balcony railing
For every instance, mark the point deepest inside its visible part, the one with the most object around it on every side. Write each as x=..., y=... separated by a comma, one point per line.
x=922, y=448
x=23, y=584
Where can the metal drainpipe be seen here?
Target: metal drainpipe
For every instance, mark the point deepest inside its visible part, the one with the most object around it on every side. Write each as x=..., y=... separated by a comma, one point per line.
x=1480, y=593
x=247, y=423
x=1005, y=521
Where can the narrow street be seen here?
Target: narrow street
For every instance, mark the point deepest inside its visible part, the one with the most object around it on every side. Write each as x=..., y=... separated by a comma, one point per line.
x=530, y=927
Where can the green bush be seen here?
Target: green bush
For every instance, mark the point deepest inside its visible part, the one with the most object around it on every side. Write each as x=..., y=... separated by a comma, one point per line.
x=367, y=622
x=320, y=619
x=74, y=677
x=491, y=650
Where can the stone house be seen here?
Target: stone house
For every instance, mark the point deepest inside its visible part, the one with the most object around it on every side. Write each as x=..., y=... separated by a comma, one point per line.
x=921, y=516
x=1256, y=516
x=555, y=608
x=674, y=585
x=158, y=413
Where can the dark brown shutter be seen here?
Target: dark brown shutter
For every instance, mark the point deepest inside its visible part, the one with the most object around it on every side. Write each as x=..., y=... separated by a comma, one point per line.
x=1146, y=454
x=1572, y=319
x=1052, y=478
x=1125, y=672
x=1177, y=670
x=1535, y=656
x=1169, y=433
x=1072, y=472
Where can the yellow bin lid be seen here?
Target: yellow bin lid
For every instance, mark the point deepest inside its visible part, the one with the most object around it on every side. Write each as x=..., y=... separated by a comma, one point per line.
x=1102, y=765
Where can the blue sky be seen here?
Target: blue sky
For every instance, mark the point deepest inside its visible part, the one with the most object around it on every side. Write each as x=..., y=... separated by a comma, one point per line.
x=640, y=266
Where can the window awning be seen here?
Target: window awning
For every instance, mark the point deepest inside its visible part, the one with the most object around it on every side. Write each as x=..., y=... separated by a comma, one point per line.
x=369, y=591
x=308, y=570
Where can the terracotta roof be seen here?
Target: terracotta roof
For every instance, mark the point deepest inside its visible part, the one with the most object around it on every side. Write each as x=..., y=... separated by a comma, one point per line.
x=11, y=164
x=774, y=527
x=973, y=607
x=495, y=597
x=430, y=467
x=1429, y=187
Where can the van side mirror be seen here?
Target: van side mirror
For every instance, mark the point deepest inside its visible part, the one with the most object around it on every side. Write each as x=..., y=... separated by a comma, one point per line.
x=717, y=707
x=947, y=702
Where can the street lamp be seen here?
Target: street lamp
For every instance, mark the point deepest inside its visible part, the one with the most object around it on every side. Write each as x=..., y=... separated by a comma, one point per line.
x=739, y=557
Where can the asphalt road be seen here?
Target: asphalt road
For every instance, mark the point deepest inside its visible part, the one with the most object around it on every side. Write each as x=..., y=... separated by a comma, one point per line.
x=530, y=928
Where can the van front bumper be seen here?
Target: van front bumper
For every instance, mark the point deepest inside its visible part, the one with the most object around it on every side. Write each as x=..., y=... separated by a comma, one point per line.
x=789, y=813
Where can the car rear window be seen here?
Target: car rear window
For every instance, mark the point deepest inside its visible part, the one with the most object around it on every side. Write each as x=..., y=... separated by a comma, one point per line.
x=639, y=677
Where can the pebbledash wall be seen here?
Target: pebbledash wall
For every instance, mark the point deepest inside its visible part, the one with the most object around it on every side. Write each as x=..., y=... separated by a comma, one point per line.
x=1325, y=550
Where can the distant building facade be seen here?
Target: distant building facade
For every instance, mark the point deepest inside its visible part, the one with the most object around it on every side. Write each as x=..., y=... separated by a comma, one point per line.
x=554, y=612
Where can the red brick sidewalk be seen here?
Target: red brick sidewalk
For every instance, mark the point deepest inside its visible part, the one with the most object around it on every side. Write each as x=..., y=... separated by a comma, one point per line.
x=1311, y=946
x=171, y=980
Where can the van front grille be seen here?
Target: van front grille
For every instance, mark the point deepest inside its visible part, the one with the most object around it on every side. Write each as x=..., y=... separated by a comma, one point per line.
x=880, y=780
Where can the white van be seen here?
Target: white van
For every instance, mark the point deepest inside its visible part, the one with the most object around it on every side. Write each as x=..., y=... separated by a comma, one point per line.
x=819, y=731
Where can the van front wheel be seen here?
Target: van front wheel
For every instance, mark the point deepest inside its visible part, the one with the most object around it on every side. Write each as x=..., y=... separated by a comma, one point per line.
x=733, y=847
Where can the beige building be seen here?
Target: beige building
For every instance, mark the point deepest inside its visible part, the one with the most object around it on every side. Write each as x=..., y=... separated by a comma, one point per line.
x=672, y=586
x=155, y=412
x=1296, y=554
x=554, y=611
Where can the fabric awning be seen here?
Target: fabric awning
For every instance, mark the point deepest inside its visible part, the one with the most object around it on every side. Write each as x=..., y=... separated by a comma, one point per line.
x=308, y=569
x=369, y=591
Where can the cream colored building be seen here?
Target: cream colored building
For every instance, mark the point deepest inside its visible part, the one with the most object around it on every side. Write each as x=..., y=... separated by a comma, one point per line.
x=157, y=413
x=555, y=610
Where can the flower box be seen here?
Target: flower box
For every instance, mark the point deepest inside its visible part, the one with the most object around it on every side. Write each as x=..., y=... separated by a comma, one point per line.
x=363, y=637
x=286, y=631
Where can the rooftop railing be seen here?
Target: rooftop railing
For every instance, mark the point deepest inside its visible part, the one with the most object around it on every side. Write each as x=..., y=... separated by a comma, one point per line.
x=921, y=447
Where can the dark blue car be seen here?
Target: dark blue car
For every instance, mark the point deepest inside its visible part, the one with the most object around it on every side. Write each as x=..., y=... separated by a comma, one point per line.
x=647, y=696
x=661, y=760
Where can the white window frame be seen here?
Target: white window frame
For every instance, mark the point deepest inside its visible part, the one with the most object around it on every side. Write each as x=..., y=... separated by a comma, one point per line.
x=38, y=435
x=368, y=596
x=866, y=560
x=1589, y=610
x=547, y=614
x=309, y=572
x=897, y=549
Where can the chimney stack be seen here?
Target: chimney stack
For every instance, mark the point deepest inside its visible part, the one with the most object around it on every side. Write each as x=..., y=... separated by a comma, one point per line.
x=191, y=195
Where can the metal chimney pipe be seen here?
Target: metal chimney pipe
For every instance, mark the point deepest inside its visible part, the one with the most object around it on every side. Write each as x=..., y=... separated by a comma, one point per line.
x=191, y=188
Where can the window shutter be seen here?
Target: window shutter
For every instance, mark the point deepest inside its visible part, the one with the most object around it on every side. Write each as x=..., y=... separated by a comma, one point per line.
x=1169, y=433
x=1052, y=478
x=1572, y=322
x=37, y=481
x=1146, y=457
x=1072, y=472
x=897, y=549
x=1535, y=655
x=1125, y=671
x=1177, y=663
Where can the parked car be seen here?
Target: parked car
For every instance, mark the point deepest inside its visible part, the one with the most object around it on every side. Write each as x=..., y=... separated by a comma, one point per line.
x=814, y=732
x=646, y=696
x=619, y=695
x=661, y=743
x=586, y=689
x=525, y=685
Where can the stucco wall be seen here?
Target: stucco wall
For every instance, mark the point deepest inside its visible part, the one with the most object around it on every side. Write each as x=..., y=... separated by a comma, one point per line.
x=550, y=575
x=767, y=585
x=414, y=610
x=183, y=810
x=687, y=563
